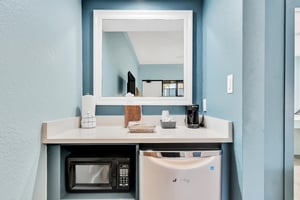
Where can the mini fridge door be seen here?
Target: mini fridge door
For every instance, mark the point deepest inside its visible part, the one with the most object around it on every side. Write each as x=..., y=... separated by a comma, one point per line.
x=180, y=175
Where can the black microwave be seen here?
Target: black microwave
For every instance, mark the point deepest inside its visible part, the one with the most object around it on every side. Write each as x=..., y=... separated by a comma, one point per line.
x=96, y=174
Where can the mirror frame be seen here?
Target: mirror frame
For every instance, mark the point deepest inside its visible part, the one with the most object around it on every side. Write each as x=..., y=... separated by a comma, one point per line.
x=185, y=15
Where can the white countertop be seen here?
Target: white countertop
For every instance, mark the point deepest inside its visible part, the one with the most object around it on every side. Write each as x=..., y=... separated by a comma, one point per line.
x=110, y=130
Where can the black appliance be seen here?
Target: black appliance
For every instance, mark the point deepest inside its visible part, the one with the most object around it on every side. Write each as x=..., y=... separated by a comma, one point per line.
x=130, y=83
x=87, y=174
x=192, y=116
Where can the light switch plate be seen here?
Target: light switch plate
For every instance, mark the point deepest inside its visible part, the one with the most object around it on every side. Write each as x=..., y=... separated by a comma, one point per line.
x=230, y=84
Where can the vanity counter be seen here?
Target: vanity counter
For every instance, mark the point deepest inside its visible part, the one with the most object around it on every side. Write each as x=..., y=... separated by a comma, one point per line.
x=110, y=130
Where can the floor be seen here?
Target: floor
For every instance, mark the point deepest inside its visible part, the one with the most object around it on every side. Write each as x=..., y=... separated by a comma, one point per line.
x=297, y=178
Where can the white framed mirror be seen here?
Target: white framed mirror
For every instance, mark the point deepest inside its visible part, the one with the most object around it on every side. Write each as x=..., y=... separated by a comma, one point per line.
x=147, y=53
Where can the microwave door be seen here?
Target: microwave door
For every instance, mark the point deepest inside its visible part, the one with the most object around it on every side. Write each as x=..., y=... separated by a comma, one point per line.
x=91, y=176
x=85, y=174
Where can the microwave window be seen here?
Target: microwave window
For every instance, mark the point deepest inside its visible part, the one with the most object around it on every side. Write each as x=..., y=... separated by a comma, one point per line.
x=86, y=174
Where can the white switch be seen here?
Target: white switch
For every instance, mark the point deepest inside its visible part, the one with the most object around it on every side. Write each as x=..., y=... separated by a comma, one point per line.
x=230, y=84
x=204, y=105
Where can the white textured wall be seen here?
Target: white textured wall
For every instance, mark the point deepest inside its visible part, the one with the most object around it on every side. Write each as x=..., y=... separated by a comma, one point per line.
x=40, y=79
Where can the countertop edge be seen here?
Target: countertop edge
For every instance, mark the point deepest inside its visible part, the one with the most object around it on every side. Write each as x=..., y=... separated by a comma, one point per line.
x=132, y=141
x=53, y=129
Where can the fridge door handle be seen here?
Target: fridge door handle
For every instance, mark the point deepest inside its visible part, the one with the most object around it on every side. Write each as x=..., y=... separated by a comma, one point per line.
x=181, y=164
x=181, y=154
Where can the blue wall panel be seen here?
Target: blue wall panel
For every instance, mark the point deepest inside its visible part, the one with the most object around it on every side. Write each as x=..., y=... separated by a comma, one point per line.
x=40, y=80
x=274, y=100
x=87, y=19
x=222, y=55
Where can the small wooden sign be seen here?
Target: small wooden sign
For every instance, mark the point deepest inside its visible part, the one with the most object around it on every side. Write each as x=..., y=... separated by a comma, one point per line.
x=131, y=113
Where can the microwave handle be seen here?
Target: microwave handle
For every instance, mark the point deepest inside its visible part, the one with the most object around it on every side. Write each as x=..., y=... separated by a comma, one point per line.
x=113, y=172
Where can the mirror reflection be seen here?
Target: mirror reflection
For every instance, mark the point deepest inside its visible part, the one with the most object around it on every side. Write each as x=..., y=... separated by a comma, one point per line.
x=143, y=56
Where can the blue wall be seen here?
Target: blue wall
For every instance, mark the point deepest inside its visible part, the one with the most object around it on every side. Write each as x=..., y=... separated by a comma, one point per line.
x=166, y=72
x=87, y=8
x=222, y=55
x=248, y=42
x=160, y=72
x=263, y=102
x=118, y=59
x=40, y=79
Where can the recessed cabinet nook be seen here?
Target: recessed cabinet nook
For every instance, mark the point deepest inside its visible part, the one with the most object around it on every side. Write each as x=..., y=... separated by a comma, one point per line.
x=110, y=140
x=108, y=161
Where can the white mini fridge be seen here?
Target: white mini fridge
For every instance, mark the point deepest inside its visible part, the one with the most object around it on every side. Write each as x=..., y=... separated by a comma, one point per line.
x=180, y=175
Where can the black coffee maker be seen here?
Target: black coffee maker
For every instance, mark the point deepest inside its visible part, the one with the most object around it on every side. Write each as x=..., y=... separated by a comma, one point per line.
x=192, y=116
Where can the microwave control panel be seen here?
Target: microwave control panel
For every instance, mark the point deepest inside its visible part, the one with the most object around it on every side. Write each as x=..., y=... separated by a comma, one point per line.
x=123, y=171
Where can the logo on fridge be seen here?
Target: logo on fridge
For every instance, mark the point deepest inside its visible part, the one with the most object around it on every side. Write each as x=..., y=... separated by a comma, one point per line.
x=182, y=180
